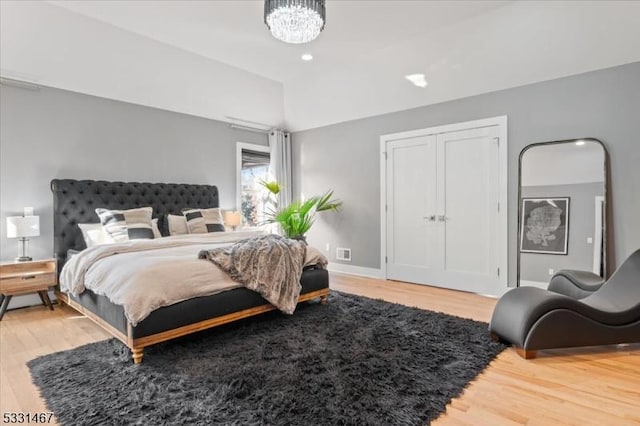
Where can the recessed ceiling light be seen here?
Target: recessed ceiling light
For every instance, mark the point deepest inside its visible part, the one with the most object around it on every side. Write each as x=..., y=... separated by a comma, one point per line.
x=580, y=143
x=417, y=79
x=307, y=57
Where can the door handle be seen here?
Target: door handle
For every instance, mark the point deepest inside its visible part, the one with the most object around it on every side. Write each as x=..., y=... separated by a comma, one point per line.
x=442, y=218
x=431, y=218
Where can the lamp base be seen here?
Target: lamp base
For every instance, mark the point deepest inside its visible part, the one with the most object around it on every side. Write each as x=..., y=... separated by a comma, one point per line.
x=23, y=252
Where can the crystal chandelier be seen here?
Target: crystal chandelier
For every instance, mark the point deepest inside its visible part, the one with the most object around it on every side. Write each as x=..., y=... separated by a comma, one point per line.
x=294, y=21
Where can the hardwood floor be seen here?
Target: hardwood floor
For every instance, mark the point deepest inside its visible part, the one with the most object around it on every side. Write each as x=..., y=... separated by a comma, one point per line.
x=589, y=386
x=29, y=333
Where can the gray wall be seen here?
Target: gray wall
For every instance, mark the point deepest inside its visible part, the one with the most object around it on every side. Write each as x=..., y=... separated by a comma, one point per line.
x=603, y=104
x=582, y=216
x=52, y=133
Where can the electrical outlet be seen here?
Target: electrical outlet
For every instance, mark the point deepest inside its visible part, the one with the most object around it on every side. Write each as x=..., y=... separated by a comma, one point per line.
x=550, y=271
x=589, y=240
x=327, y=247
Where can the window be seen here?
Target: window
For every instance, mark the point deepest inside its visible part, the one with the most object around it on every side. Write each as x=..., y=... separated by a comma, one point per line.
x=253, y=168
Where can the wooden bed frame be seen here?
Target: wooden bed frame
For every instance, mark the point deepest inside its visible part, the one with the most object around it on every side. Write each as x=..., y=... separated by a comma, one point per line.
x=137, y=345
x=75, y=202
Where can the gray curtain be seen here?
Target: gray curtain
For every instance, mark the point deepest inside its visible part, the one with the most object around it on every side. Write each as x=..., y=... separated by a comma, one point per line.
x=280, y=144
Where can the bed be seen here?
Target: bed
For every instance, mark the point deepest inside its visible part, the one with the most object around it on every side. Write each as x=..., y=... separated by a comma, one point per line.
x=75, y=201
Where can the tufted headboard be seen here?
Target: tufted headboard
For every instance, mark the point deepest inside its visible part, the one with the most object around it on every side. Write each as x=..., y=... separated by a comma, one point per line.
x=75, y=201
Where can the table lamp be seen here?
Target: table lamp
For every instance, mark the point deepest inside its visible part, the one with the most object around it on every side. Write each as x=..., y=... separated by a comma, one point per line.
x=23, y=227
x=232, y=219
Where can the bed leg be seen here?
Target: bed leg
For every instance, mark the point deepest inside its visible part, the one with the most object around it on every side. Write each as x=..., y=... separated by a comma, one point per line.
x=526, y=354
x=324, y=299
x=137, y=355
x=61, y=299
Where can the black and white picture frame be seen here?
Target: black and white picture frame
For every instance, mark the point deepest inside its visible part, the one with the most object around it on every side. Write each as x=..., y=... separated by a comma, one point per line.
x=545, y=225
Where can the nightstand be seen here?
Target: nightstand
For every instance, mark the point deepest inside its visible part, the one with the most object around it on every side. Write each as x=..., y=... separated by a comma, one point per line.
x=26, y=277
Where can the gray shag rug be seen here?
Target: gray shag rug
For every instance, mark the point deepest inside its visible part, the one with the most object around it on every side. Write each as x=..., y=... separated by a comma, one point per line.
x=354, y=361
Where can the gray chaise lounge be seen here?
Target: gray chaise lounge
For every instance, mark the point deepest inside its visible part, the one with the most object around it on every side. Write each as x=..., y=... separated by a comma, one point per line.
x=534, y=319
x=576, y=284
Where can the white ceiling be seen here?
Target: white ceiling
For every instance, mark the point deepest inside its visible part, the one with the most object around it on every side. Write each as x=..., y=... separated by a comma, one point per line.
x=233, y=32
x=360, y=59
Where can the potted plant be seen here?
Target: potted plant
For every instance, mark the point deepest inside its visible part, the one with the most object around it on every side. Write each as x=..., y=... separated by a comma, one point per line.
x=298, y=217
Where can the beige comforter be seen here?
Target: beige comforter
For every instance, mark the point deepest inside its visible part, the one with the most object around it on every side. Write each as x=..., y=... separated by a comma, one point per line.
x=144, y=275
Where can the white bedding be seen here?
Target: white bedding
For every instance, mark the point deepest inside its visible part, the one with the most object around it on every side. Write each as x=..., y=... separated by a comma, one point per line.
x=144, y=275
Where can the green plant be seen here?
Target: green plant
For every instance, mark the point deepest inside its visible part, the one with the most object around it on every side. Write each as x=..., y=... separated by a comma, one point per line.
x=272, y=186
x=298, y=217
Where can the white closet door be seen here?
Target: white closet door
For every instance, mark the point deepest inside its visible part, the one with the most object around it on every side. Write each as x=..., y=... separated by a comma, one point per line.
x=468, y=188
x=411, y=208
x=442, y=210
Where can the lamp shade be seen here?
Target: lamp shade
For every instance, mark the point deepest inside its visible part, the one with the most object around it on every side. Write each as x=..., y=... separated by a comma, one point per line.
x=23, y=226
x=232, y=218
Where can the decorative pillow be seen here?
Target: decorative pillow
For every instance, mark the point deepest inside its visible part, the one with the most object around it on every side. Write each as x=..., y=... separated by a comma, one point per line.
x=155, y=229
x=201, y=221
x=177, y=225
x=94, y=235
x=125, y=225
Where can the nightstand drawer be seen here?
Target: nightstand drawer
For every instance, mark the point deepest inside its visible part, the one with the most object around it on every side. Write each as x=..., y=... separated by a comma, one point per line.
x=27, y=283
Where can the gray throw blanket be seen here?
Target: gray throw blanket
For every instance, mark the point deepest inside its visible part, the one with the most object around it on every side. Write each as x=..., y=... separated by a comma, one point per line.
x=270, y=265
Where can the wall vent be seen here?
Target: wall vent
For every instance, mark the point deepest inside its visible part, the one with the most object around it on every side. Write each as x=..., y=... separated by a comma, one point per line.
x=343, y=254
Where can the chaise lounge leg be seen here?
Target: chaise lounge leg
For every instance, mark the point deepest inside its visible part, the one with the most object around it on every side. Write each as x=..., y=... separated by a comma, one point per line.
x=526, y=354
x=137, y=355
x=324, y=299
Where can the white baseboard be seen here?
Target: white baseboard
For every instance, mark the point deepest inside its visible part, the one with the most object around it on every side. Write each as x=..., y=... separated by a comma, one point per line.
x=498, y=294
x=355, y=270
x=538, y=284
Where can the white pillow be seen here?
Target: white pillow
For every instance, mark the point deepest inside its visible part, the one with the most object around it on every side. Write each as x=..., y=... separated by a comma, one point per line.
x=177, y=225
x=155, y=229
x=95, y=235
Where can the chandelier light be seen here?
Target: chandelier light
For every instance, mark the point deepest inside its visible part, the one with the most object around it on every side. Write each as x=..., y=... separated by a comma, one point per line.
x=295, y=21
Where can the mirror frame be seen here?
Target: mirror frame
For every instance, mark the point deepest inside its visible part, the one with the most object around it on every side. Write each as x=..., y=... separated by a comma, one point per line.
x=607, y=240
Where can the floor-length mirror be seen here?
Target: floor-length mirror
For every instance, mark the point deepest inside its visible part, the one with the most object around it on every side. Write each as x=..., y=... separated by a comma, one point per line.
x=562, y=209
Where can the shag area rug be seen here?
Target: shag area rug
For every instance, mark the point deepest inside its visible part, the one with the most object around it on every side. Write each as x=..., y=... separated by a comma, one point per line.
x=354, y=361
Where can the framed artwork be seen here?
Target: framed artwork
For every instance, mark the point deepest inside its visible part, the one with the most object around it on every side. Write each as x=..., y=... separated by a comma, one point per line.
x=545, y=225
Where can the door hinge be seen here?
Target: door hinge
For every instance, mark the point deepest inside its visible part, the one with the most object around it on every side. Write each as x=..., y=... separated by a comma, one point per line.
x=498, y=207
x=386, y=259
x=497, y=140
x=386, y=208
x=498, y=271
x=385, y=155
